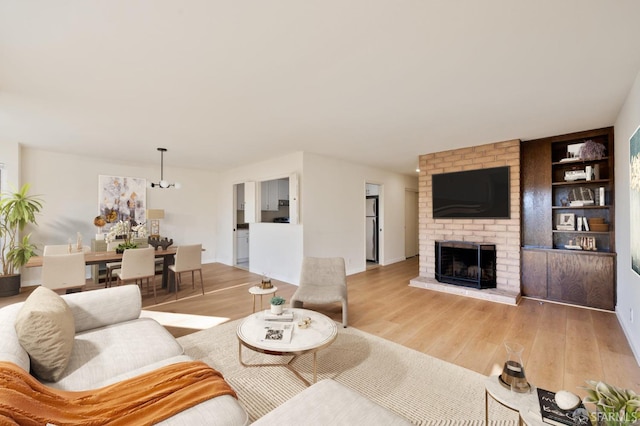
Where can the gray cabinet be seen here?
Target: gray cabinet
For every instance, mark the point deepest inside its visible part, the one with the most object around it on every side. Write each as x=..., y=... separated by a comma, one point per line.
x=242, y=245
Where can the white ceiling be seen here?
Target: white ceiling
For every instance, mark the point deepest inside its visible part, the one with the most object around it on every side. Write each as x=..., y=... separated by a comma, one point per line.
x=378, y=82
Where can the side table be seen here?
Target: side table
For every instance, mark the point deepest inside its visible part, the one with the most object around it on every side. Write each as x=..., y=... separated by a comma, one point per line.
x=525, y=404
x=257, y=291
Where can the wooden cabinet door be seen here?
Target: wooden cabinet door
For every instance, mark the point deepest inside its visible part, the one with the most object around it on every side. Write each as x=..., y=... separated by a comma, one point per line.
x=535, y=183
x=582, y=279
x=534, y=273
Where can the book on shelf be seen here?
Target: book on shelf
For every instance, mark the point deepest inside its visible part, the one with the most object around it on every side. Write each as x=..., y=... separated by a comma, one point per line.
x=554, y=415
x=285, y=316
x=276, y=333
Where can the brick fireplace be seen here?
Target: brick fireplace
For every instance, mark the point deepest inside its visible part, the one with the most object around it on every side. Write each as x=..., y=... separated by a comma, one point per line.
x=503, y=233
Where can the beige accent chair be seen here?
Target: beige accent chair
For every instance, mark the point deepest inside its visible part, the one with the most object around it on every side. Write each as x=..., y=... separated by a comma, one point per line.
x=138, y=265
x=188, y=259
x=322, y=281
x=63, y=271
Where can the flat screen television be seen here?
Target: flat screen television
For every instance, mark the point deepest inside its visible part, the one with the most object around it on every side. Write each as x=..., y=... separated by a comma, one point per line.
x=482, y=193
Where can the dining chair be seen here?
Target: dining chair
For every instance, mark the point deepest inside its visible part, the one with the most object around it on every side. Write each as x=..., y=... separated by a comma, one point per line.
x=188, y=259
x=138, y=265
x=322, y=281
x=62, y=249
x=63, y=271
x=111, y=266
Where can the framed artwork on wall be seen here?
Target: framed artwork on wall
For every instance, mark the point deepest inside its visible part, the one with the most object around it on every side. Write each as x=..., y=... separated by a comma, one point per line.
x=122, y=199
x=634, y=200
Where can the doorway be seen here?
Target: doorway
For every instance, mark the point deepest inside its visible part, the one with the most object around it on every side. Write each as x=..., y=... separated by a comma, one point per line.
x=240, y=228
x=411, y=247
x=372, y=224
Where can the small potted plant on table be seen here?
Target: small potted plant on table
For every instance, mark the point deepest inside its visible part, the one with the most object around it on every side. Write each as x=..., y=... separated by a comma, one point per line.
x=277, y=304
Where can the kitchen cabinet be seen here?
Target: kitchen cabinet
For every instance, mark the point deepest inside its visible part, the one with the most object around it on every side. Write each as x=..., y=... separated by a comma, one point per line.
x=269, y=195
x=371, y=189
x=242, y=245
x=283, y=189
x=563, y=260
x=240, y=196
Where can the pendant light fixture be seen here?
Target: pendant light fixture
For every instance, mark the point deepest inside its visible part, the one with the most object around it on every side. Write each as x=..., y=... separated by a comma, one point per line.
x=163, y=183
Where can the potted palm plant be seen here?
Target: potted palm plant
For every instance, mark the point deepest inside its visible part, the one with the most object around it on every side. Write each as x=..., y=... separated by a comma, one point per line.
x=17, y=210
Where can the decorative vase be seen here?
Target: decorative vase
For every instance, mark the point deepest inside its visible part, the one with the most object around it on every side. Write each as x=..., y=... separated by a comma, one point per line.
x=277, y=309
x=513, y=372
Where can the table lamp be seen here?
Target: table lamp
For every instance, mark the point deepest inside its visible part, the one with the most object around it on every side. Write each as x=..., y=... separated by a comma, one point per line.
x=154, y=215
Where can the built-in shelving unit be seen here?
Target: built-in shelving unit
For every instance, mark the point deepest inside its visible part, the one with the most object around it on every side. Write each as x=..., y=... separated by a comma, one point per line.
x=568, y=239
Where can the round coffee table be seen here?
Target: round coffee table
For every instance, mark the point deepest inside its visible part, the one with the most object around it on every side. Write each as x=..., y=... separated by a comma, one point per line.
x=319, y=334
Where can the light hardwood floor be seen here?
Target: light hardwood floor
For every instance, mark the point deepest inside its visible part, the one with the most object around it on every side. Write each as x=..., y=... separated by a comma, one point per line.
x=564, y=345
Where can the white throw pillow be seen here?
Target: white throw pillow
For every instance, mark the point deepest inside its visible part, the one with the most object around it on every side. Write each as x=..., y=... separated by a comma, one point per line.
x=46, y=330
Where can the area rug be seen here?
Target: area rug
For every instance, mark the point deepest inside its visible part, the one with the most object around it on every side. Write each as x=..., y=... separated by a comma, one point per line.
x=423, y=389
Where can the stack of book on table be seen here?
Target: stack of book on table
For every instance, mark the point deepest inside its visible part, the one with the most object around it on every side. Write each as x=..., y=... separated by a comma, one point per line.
x=554, y=415
x=285, y=316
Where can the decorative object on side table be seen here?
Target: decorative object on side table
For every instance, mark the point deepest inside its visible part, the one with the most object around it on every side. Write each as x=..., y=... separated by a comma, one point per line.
x=277, y=304
x=17, y=210
x=512, y=376
x=615, y=406
x=266, y=282
x=157, y=242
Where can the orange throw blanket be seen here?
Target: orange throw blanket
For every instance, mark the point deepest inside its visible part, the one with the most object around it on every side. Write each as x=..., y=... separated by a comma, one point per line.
x=142, y=400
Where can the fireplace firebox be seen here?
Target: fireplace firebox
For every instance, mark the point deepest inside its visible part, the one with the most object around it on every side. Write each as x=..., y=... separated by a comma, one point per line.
x=466, y=264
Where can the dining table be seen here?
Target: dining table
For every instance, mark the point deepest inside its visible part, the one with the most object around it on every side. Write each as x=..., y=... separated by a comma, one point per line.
x=103, y=257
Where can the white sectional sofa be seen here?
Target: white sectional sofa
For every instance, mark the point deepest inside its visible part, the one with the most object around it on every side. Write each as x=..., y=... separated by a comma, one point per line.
x=113, y=343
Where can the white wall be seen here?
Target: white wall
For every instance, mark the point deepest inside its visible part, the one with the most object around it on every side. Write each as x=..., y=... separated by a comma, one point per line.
x=331, y=214
x=628, y=290
x=10, y=157
x=274, y=249
x=68, y=184
x=333, y=208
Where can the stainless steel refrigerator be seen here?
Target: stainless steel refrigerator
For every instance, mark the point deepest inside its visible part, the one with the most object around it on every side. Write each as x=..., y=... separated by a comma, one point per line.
x=371, y=219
